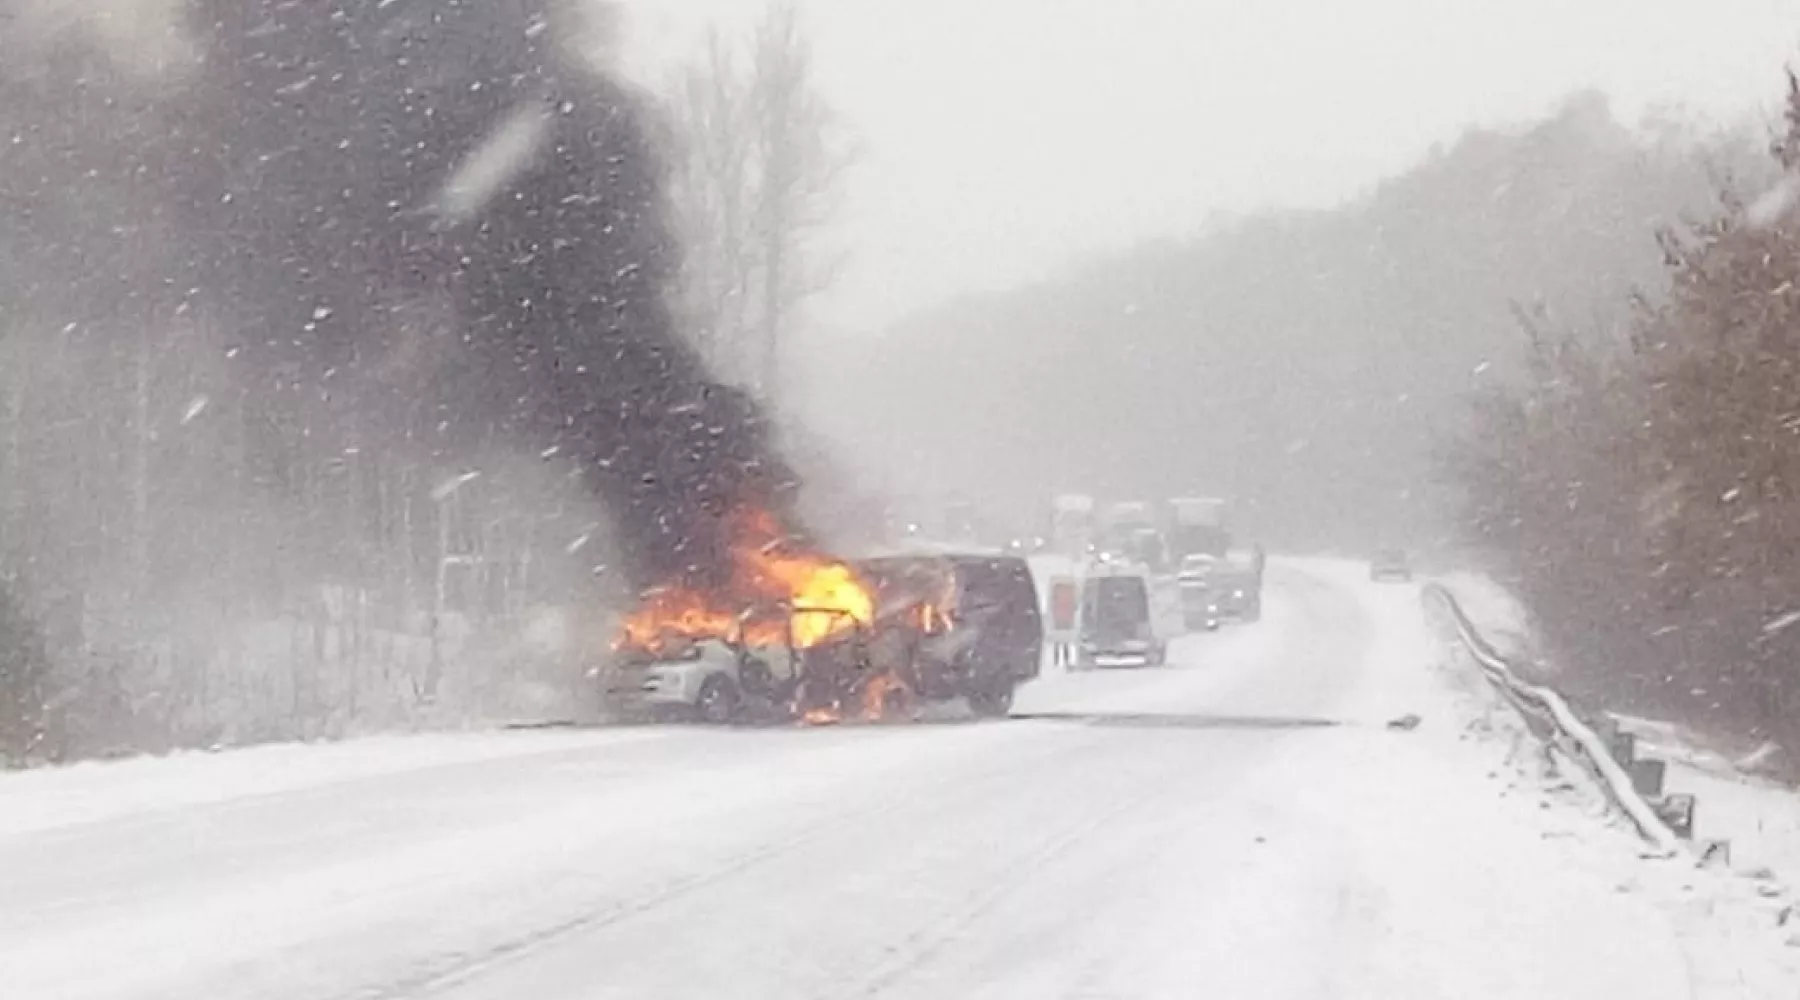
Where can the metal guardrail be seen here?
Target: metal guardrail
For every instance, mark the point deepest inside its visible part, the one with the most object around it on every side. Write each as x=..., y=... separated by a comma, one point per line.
x=1632, y=785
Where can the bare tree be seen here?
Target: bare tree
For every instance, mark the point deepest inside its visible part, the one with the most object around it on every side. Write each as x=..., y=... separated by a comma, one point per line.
x=710, y=197
x=758, y=158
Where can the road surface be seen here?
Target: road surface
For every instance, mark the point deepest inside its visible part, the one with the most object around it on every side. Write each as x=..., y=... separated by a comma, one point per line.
x=1240, y=824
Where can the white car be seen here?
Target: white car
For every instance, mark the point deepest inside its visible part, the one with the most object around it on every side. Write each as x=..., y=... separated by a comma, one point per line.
x=704, y=680
x=1196, y=570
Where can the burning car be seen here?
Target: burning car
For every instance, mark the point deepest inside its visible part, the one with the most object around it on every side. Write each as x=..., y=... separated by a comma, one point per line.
x=795, y=633
x=760, y=670
x=782, y=623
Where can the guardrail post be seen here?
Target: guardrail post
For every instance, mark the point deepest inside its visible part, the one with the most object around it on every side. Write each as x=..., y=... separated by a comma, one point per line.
x=1716, y=852
x=1647, y=776
x=1677, y=811
x=1623, y=747
x=1597, y=743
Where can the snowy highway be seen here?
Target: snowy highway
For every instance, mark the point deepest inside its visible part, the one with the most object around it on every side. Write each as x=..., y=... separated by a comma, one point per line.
x=1240, y=824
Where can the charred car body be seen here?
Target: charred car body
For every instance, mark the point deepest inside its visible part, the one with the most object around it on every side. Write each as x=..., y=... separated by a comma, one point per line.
x=757, y=672
x=942, y=627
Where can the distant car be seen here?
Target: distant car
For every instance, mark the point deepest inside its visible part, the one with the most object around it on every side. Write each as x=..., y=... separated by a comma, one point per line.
x=1199, y=604
x=1196, y=569
x=1390, y=565
x=1237, y=586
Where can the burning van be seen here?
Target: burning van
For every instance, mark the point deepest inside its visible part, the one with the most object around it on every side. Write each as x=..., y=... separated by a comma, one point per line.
x=938, y=628
x=790, y=631
x=956, y=625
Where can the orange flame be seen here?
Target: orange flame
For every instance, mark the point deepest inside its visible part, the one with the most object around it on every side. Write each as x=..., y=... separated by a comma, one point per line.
x=821, y=716
x=931, y=619
x=875, y=695
x=823, y=596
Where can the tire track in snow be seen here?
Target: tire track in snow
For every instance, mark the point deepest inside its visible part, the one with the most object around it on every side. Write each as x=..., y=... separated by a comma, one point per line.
x=920, y=947
x=452, y=971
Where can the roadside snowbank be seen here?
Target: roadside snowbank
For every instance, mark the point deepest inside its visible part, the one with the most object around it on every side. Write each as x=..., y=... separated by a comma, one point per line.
x=1760, y=818
x=1733, y=942
x=91, y=792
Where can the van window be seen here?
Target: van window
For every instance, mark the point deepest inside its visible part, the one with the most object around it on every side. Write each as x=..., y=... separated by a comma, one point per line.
x=994, y=581
x=1117, y=602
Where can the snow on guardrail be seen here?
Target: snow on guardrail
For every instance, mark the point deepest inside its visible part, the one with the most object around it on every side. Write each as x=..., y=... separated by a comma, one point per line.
x=1550, y=717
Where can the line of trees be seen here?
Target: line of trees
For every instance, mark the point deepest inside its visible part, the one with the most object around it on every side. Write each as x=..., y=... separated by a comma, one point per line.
x=1298, y=361
x=201, y=547
x=1640, y=487
x=198, y=547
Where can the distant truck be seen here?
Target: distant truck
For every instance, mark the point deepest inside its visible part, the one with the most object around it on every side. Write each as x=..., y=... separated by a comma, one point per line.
x=1197, y=527
x=1129, y=530
x=730, y=679
x=1127, y=514
x=1072, y=527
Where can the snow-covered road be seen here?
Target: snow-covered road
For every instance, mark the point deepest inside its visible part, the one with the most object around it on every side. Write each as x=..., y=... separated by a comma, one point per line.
x=1264, y=836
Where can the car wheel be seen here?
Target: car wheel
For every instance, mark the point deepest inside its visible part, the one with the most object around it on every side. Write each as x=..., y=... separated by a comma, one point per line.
x=993, y=699
x=718, y=701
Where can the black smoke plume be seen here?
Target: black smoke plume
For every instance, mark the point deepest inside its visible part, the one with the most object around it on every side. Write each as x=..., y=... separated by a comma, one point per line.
x=334, y=161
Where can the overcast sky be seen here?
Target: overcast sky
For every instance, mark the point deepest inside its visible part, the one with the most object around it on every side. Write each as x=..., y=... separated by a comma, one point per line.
x=1003, y=137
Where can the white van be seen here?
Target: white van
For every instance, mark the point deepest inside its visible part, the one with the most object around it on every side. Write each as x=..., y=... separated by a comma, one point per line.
x=1126, y=617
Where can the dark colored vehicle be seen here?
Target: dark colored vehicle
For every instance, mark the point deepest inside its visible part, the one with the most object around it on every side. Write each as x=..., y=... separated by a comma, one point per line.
x=1236, y=586
x=1237, y=594
x=960, y=625
x=1116, y=627
x=1390, y=565
x=1199, y=605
